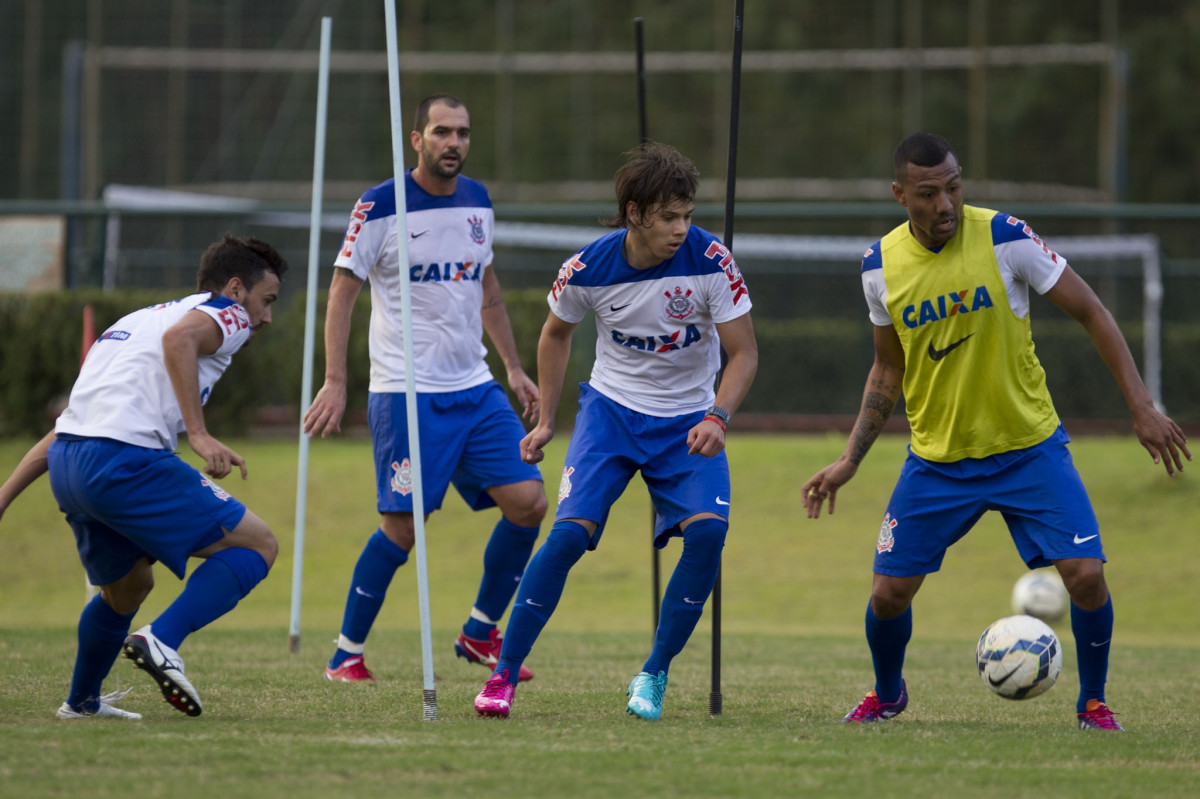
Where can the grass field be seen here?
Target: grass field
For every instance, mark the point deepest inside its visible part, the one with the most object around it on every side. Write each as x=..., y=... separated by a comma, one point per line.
x=794, y=659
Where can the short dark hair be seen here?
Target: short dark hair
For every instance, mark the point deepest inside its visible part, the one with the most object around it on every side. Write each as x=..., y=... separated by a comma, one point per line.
x=421, y=119
x=243, y=257
x=654, y=175
x=922, y=149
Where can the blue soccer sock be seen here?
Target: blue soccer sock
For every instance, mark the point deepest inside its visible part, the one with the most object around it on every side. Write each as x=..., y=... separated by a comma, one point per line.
x=214, y=589
x=687, y=591
x=1093, y=631
x=368, y=587
x=101, y=632
x=888, y=640
x=539, y=592
x=504, y=561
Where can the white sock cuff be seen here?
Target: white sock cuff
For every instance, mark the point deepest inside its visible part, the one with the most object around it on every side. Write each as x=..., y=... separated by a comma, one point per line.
x=346, y=645
x=479, y=615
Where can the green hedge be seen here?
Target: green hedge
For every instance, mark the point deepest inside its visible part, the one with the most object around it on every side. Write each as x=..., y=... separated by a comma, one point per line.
x=807, y=365
x=41, y=339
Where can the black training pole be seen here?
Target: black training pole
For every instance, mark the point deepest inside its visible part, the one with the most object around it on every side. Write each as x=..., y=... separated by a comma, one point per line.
x=640, y=44
x=641, y=78
x=714, y=696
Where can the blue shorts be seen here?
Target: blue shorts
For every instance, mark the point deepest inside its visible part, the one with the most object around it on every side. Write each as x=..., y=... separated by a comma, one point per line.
x=1037, y=490
x=125, y=503
x=612, y=442
x=470, y=438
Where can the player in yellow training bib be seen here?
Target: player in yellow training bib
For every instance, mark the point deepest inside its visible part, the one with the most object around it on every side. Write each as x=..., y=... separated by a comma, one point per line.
x=948, y=292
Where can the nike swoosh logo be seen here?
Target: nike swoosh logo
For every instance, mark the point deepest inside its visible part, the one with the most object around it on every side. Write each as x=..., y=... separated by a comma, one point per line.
x=1102, y=643
x=996, y=683
x=361, y=592
x=936, y=355
x=418, y=235
x=1079, y=540
x=615, y=308
x=692, y=601
x=721, y=501
x=534, y=604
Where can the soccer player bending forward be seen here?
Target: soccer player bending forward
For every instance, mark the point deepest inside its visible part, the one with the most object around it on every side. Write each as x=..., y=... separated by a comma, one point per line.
x=666, y=297
x=948, y=292
x=131, y=501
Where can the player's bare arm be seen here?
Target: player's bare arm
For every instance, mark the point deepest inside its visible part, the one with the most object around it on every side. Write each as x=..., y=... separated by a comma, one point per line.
x=496, y=324
x=737, y=339
x=880, y=395
x=194, y=335
x=325, y=413
x=554, y=350
x=31, y=466
x=1158, y=433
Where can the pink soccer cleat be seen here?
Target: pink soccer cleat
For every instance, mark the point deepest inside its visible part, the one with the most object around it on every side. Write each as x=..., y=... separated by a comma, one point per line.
x=871, y=709
x=1098, y=717
x=496, y=698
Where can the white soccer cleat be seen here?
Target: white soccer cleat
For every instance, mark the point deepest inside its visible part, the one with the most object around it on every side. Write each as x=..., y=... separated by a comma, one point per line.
x=166, y=667
x=107, y=709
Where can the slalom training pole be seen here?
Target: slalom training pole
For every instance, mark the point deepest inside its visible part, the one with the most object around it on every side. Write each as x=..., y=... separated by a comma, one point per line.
x=89, y=338
x=428, y=694
x=655, y=571
x=310, y=315
x=714, y=697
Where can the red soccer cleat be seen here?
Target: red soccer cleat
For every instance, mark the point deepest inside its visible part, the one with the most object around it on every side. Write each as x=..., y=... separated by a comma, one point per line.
x=486, y=653
x=352, y=670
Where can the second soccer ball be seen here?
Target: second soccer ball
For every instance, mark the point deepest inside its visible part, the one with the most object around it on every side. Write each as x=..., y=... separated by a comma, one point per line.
x=1040, y=594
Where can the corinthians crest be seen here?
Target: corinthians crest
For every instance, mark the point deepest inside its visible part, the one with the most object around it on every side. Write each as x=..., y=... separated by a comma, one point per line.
x=402, y=477
x=886, y=539
x=680, y=304
x=477, y=234
x=564, y=485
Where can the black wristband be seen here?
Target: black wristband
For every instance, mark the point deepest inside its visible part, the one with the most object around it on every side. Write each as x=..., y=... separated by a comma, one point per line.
x=717, y=412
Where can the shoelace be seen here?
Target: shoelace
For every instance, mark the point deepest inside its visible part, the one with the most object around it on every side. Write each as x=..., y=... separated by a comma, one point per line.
x=1102, y=717
x=655, y=689
x=497, y=686
x=115, y=696
x=358, y=666
x=867, y=709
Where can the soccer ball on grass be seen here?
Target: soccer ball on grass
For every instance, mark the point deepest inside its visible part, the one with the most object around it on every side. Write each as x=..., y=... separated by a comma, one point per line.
x=1019, y=657
x=1040, y=594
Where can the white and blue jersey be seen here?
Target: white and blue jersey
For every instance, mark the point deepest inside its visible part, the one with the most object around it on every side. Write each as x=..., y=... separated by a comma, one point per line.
x=124, y=392
x=470, y=434
x=112, y=466
x=657, y=349
x=449, y=247
x=657, y=357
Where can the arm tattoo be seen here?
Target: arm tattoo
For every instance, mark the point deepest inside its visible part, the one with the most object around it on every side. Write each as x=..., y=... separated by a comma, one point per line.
x=877, y=407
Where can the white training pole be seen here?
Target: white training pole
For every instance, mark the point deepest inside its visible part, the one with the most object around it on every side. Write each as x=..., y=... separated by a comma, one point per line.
x=310, y=314
x=429, y=696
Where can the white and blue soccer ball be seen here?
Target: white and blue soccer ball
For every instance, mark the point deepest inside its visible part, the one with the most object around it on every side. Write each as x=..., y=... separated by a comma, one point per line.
x=1041, y=594
x=1019, y=657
